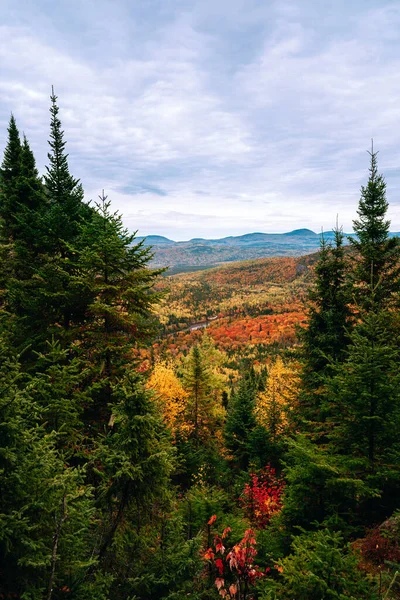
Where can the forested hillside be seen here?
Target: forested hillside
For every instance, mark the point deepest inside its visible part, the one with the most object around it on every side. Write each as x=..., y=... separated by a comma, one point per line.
x=228, y=433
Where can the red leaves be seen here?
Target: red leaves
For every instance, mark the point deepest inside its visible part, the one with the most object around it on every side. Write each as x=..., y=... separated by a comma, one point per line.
x=219, y=565
x=212, y=520
x=237, y=564
x=262, y=498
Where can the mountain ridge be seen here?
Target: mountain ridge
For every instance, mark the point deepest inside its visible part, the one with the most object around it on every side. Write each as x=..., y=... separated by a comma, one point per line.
x=200, y=253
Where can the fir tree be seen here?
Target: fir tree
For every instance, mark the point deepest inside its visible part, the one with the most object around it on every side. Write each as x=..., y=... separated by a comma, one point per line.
x=367, y=391
x=240, y=423
x=119, y=316
x=45, y=507
x=64, y=192
x=32, y=206
x=377, y=271
x=327, y=335
x=10, y=171
x=136, y=461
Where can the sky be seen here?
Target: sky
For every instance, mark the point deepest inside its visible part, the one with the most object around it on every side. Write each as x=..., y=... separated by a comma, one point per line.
x=215, y=117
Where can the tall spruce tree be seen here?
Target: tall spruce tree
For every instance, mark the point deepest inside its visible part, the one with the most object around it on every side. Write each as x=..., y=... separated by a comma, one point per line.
x=64, y=192
x=327, y=336
x=10, y=171
x=61, y=295
x=367, y=390
x=241, y=423
x=116, y=273
x=32, y=206
x=376, y=277
x=364, y=393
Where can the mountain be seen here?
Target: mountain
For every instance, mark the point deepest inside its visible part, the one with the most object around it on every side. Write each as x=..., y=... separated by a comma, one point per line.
x=155, y=240
x=200, y=253
x=302, y=233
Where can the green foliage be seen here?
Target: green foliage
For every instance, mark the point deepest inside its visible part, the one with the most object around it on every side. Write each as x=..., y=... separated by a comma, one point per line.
x=204, y=411
x=376, y=277
x=240, y=424
x=65, y=194
x=170, y=565
x=45, y=507
x=327, y=335
x=366, y=390
x=321, y=484
x=200, y=503
x=321, y=567
x=10, y=171
x=88, y=506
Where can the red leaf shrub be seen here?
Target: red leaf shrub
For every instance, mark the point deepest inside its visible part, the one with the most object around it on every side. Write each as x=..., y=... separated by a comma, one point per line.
x=262, y=497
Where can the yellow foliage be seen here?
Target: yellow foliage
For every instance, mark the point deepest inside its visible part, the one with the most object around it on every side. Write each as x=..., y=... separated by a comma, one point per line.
x=274, y=404
x=170, y=396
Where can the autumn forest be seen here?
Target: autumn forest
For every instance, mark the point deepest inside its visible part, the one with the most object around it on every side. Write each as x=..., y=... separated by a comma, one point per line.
x=225, y=433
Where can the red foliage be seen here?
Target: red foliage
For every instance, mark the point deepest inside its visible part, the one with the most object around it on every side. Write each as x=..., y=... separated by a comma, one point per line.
x=235, y=572
x=262, y=497
x=382, y=543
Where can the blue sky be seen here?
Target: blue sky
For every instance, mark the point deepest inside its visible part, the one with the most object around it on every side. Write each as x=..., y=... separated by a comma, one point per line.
x=215, y=117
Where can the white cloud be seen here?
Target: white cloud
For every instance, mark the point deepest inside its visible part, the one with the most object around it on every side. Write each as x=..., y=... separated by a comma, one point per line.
x=267, y=110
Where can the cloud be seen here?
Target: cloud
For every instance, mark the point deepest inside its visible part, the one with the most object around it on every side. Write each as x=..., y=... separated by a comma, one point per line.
x=218, y=113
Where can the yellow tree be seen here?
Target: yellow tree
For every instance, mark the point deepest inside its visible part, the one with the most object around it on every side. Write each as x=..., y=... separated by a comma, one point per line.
x=170, y=397
x=275, y=403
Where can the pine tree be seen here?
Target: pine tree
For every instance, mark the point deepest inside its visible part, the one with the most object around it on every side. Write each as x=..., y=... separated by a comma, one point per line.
x=10, y=171
x=119, y=316
x=377, y=270
x=57, y=301
x=203, y=409
x=30, y=234
x=64, y=192
x=45, y=508
x=364, y=393
x=367, y=390
x=135, y=460
x=327, y=334
x=240, y=423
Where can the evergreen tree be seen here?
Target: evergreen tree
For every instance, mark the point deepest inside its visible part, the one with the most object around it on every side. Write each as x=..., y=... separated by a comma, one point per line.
x=28, y=238
x=203, y=410
x=10, y=171
x=119, y=316
x=327, y=335
x=64, y=192
x=241, y=423
x=30, y=233
x=364, y=393
x=133, y=464
x=45, y=508
x=367, y=391
x=376, y=275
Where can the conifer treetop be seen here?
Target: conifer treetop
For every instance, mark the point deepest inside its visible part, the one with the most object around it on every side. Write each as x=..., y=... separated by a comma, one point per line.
x=371, y=227
x=12, y=153
x=61, y=186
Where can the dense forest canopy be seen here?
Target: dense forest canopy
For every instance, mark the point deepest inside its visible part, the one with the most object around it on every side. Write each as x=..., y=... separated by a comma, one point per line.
x=232, y=433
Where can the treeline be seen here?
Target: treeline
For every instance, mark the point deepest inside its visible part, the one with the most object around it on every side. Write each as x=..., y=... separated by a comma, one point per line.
x=268, y=474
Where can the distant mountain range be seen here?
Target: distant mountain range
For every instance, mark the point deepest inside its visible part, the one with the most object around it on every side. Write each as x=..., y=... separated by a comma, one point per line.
x=200, y=253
